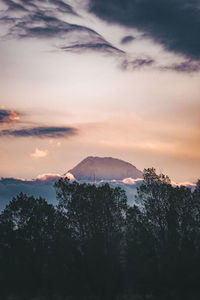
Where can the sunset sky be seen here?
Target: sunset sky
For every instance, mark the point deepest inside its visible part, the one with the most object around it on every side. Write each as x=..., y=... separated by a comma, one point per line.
x=101, y=77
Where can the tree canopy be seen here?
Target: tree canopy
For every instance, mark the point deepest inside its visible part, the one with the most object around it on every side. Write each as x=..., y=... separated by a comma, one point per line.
x=93, y=245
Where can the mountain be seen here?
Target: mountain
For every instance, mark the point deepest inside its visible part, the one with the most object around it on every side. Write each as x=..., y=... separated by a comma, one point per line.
x=99, y=169
x=114, y=171
x=104, y=168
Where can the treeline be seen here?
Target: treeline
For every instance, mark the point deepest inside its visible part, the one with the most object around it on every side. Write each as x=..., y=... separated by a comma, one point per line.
x=93, y=245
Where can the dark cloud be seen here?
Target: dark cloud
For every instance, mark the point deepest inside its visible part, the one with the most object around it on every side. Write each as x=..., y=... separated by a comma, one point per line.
x=173, y=23
x=8, y=116
x=45, y=24
x=41, y=23
x=26, y=4
x=101, y=47
x=4, y=114
x=50, y=26
x=188, y=66
x=41, y=132
x=7, y=20
x=54, y=27
x=136, y=63
x=63, y=7
x=127, y=39
x=14, y=6
x=49, y=23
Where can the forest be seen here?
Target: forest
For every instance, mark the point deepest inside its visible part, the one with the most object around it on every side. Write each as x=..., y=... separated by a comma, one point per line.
x=94, y=246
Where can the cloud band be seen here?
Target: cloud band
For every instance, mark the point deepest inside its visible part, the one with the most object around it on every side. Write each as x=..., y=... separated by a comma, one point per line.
x=41, y=132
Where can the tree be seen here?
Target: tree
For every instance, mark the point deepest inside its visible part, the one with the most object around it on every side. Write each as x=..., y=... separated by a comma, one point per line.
x=198, y=184
x=140, y=252
x=168, y=225
x=30, y=257
x=96, y=218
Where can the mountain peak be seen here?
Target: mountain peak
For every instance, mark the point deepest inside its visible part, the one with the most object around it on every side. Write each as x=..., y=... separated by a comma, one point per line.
x=104, y=168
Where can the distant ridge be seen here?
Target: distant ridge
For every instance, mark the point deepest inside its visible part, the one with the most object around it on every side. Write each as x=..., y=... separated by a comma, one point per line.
x=104, y=168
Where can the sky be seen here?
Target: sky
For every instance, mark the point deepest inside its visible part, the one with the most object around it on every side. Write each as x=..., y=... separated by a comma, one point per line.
x=99, y=78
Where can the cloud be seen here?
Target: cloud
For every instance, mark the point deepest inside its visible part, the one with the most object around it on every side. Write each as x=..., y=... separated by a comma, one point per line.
x=187, y=66
x=187, y=184
x=63, y=6
x=25, y=5
x=175, y=24
x=127, y=39
x=48, y=177
x=137, y=63
x=8, y=116
x=53, y=177
x=100, y=47
x=41, y=25
x=14, y=6
x=39, y=153
x=49, y=24
x=41, y=132
x=45, y=25
x=132, y=181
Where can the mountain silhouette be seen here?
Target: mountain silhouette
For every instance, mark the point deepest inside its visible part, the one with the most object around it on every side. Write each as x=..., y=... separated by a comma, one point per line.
x=104, y=168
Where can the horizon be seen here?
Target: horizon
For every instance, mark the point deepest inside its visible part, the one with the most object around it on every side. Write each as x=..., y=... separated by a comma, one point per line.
x=90, y=78
x=126, y=180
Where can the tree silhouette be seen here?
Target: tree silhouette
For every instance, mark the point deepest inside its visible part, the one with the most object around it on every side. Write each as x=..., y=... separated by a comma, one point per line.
x=96, y=217
x=30, y=255
x=93, y=246
x=163, y=237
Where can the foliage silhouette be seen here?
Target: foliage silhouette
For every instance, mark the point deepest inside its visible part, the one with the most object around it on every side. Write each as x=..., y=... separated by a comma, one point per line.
x=92, y=245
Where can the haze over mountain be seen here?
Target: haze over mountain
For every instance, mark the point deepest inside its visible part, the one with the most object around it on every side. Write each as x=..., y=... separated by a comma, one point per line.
x=104, y=168
x=112, y=170
x=92, y=169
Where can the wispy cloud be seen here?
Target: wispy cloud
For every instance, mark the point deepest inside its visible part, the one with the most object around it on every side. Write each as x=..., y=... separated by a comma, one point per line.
x=173, y=24
x=14, y=5
x=39, y=153
x=137, y=63
x=41, y=23
x=41, y=132
x=100, y=47
x=25, y=5
x=187, y=66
